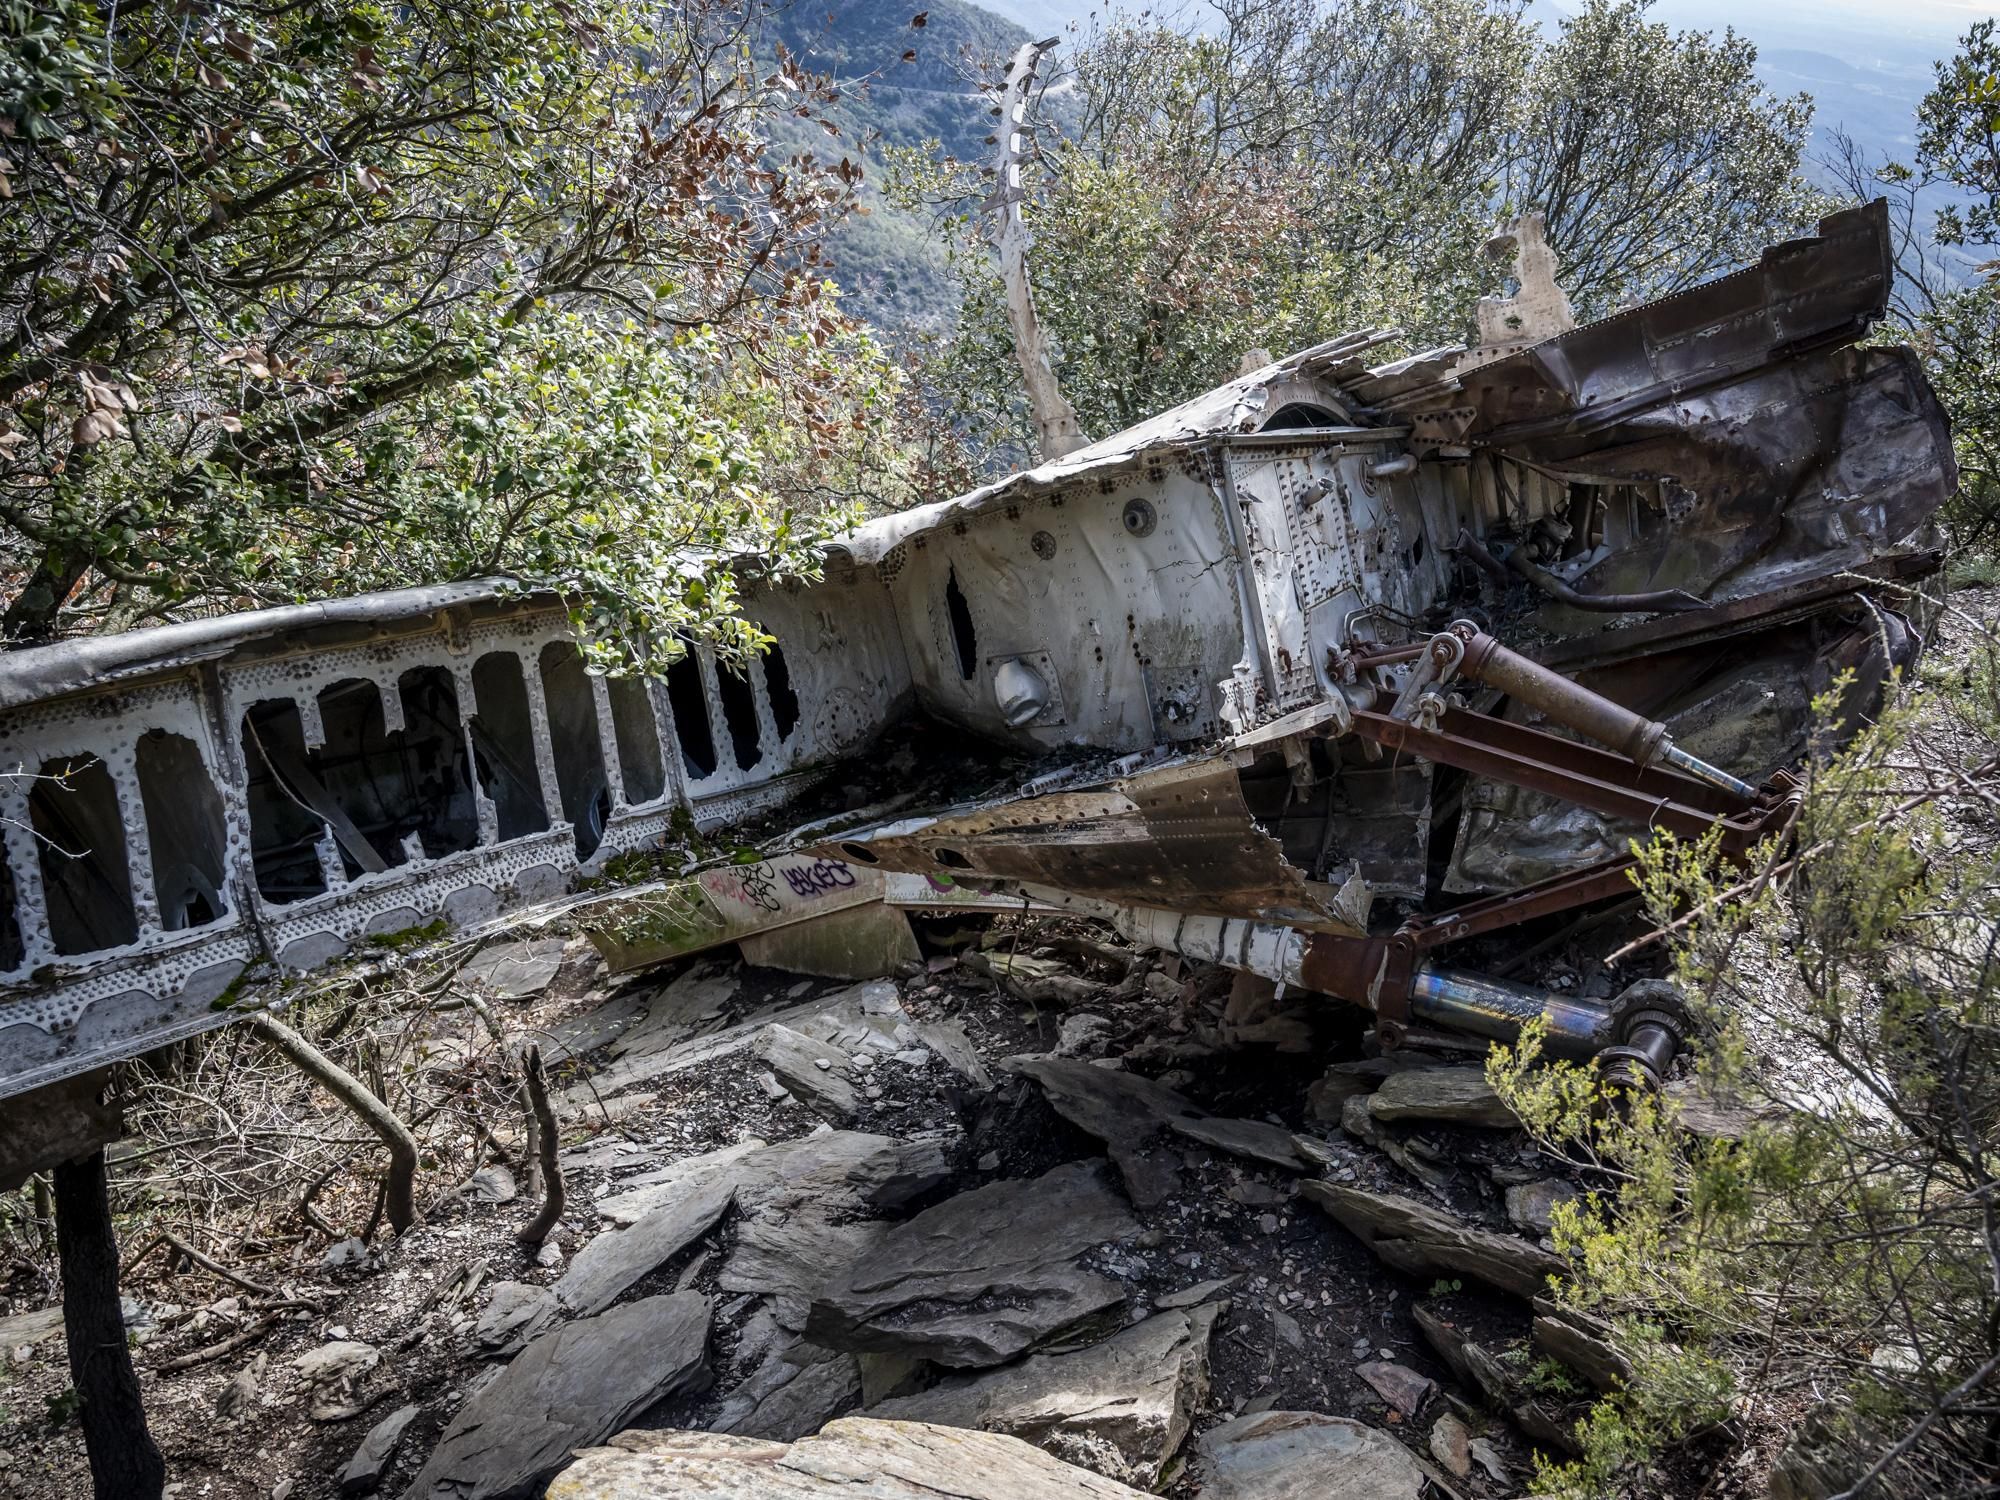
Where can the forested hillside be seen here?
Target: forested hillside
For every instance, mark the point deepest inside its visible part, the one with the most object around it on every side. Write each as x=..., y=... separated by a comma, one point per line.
x=900, y=84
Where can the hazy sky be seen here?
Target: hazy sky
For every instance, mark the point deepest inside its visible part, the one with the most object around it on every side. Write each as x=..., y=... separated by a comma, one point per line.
x=1932, y=21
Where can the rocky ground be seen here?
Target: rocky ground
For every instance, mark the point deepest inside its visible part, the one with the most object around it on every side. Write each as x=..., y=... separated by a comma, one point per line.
x=1047, y=1186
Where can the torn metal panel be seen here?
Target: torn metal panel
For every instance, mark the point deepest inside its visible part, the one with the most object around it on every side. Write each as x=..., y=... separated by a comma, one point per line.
x=1305, y=381
x=1177, y=835
x=1771, y=448
x=652, y=924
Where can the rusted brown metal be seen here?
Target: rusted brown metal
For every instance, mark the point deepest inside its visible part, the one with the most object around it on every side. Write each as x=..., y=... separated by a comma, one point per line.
x=1178, y=835
x=1638, y=738
x=1462, y=742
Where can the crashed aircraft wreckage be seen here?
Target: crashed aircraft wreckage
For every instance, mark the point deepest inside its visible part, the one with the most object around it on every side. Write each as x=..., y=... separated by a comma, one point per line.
x=1320, y=674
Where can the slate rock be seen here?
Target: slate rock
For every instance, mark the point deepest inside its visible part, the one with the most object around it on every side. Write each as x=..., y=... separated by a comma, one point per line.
x=1358, y=1122
x=855, y=1458
x=1582, y=1342
x=1126, y=1112
x=515, y=971
x=1532, y=1205
x=515, y=1313
x=788, y=1246
x=1425, y=1241
x=1488, y=1458
x=1451, y=1445
x=1330, y=1092
x=1494, y=1372
x=494, y=1184
x=1305, y=1455
x=1399, y=1385
x=983, y=1276
x=336, y=1360
x=606, y=1268
x=1461, y=1096
x=1121, y=1407
x=570, y=1388
x=848, y=1171
x=814, y=1072
x=794, y=1389
x=1253, y=1139
x=341, y=1254
x=364, y=1471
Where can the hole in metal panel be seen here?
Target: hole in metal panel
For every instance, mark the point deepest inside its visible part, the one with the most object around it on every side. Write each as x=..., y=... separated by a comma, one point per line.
x=434, y=759
x=964, y=641
x=184, y=830
x=73, y=808
x=638, y=735
x=370, y=786
x=688, y=698
x=860, y=852
x=503, y=745
x=284, y=832
x=784, y=698
x=951, y=859
x=1296, y=414
x=579, y=753
x=739, y=715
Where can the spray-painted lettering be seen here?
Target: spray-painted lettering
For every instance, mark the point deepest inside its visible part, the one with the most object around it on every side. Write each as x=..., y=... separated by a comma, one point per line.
x=816, y=879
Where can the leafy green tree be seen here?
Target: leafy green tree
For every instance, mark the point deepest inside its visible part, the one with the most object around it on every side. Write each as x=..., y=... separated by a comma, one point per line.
x=343, y=294
x=1812, y=1277
x=1307, y=167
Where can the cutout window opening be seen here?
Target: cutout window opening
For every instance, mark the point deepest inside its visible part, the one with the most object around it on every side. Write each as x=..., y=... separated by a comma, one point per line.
x=638, y=735
x=739, y=715
x=1295, y=415
x=13, y=946
x=502, y=730
x=284, y=832
x=688, y=699
x=185, y=831
x=573, y=737
x=73, y=809
x=778, y=686
x=375, y=789
x=435, y=762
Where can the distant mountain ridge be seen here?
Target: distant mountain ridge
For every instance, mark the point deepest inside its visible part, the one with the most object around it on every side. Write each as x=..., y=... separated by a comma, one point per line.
x=889, y=262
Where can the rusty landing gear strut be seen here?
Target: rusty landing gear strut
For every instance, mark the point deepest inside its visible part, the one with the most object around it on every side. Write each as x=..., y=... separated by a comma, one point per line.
x=1643, y=777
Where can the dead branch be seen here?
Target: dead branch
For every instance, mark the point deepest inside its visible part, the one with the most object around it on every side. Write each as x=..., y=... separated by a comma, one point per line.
x=543, y=1146
x=400, y=1185
x=227, y=1347
x=216, y=1268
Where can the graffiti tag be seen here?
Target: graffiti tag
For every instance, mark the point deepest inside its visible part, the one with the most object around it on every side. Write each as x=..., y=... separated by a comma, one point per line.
x=751, y=885
x=819, y=877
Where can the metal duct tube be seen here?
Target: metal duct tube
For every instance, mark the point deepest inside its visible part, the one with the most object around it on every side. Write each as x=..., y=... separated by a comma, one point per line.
x=1494, y=1008
x=1701, y=770
x=1575, y=705
x=1564, y=701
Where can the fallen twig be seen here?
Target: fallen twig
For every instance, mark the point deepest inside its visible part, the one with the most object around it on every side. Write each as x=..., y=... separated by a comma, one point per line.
x=217, y=1351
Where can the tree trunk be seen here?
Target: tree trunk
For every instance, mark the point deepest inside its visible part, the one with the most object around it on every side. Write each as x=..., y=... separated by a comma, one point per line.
x=31, y=615
x=544, y=1149
x=125, y=1464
